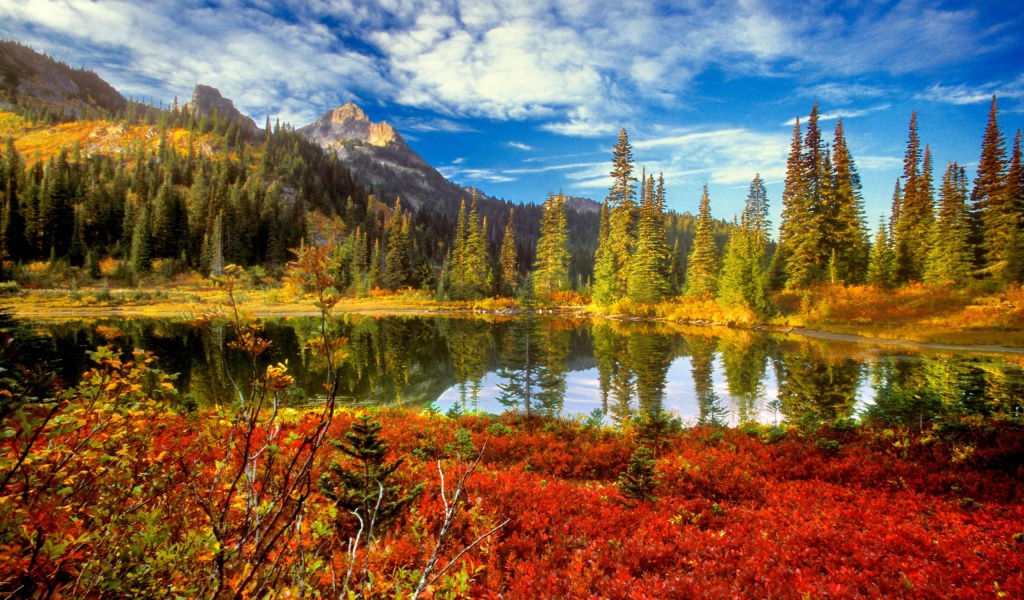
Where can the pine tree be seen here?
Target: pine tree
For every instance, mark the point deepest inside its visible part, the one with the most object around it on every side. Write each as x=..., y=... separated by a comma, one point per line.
x=509, y=259
x=755, y=211
x=623, y=209
x=142, y=242
x=397, y=264
x=800, y=229
x=605, y=289
x=996, y=216
x=849, y=234
x=744, y=279
x=639, y=480
x=881, y=263
x=950, y=253
x=648, y=269
x=363, y=487
x=551, y=268
x=916, y=213
x=702, y=264
x=77, y=251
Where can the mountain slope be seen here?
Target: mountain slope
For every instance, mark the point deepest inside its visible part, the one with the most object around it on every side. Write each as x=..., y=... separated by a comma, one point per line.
x=33, y=80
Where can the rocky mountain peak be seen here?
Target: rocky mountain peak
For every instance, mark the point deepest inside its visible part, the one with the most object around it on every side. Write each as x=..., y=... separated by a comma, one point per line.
x=350, y=124
x=206, y=98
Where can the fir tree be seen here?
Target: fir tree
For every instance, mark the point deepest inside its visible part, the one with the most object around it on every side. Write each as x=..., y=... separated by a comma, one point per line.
x=639, y=480
x=950, y=253
x=881, y=263
x=551, y=269
x=605, y=289
x=397, y=264
x=744, y=279
x=800, y=230
x=702, y=264
x=849, y=234
x=509, y=259
x=996, y=215
x=916, y=212
x=622, y=206
x=648, y=268
x=363, y=487
x=141, y=242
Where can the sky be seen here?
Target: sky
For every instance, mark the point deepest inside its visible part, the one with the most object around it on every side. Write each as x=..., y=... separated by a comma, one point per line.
x=523, y=98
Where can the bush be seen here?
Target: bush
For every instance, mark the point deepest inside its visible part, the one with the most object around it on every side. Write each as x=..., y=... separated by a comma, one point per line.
x=9, y=288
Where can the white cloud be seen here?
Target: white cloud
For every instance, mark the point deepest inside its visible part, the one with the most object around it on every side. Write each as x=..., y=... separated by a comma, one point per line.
x=843, y=93
x=577, y=65
x=842, y=113
x=980, y=94
x=519, y=146
x=430, y=124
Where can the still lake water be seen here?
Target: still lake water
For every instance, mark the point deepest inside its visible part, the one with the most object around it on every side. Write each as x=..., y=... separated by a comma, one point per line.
x=577, y=367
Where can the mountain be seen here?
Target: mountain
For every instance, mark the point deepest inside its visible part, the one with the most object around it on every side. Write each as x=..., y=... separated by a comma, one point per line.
x=380, y=157
x=206, y=99
x=33, y=80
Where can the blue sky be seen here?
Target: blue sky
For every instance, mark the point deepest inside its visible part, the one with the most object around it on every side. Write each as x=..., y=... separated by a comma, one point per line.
x=524, y=97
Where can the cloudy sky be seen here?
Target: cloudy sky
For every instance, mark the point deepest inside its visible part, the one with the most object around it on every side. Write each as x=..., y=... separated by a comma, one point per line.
x=525, y=97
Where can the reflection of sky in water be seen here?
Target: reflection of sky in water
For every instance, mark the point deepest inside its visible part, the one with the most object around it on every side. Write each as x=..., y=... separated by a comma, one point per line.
x=583, y=393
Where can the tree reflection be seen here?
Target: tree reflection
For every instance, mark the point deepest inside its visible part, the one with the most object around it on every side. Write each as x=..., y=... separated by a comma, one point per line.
x=814, y=386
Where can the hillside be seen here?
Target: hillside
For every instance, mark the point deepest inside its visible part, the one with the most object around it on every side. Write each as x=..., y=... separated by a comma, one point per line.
x=30, y=80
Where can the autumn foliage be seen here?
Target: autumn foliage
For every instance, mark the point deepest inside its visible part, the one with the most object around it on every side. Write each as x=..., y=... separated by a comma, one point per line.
x=103, y=506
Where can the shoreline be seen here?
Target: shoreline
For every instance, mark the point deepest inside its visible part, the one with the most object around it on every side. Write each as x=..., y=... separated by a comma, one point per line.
x=25, y=308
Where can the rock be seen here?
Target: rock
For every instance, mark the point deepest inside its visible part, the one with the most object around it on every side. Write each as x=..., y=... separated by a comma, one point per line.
x=205, y=99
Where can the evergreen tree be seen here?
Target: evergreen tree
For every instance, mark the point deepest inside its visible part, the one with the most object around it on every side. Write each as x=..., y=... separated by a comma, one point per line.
x=142, y=242
x=639, y=480
x=509, y=259
x=605, y=288
x=849, y=236
x=755, y=212
x=744, y=279
x=363, y=487
x=622, y=212
x=519, y=356
x=916, y=212
x=13, y=241
x=800, y=229
x=551, y=269
x=397, y=264
x=76, y=250
x=648, y=268
x=995, y=213
x=881, y=264
x=702, y=264
x=950, y=253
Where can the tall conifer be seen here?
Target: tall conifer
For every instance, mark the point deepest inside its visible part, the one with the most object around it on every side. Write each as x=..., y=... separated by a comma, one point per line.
x=702, y=264
x=509, y=259
x=950, y=253
x=996, y=215
x=648, y=268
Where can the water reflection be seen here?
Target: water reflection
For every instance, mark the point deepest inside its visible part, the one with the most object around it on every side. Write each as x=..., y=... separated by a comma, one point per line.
x=627, y=372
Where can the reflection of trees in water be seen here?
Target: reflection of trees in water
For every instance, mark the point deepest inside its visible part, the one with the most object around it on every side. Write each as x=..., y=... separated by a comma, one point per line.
x=632, y=363
x=470, y=342
x=921, y=389
x=711, y=409
x=813, y=385
x=533, y=365
x=744, y=361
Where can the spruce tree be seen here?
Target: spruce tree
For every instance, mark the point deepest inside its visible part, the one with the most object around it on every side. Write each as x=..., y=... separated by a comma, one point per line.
x=916, y=213
x=702, y=264
x=950, y=253
x=397, y=264
x=605, y=288
x=648, y=269
x=551, y=268
x=623, y=209
x=509, y=259
x=362, y=487
x=849, y=235
x=881, y=264
x=996, y=216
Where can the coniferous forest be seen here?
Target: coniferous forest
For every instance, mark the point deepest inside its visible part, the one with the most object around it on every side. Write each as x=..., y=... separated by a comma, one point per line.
x=223, y=373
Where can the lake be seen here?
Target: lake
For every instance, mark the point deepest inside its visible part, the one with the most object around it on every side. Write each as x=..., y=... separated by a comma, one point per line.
x=576, y=367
